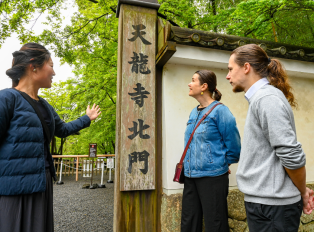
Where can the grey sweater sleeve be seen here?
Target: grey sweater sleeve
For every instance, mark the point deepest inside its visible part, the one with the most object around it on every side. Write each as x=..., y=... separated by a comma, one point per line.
x=277, y=124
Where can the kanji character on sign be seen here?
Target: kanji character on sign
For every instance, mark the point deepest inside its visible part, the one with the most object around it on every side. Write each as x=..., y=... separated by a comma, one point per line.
x=139, y=63
x=140, y=156
x=143, y=156
x=140, y=94
x=139, y=131
x=139, y=33
x=132, y=159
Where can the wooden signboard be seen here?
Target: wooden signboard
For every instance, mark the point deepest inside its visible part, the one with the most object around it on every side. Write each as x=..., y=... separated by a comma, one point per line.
x=93, y=150
x=137, y=135
x=136, y=165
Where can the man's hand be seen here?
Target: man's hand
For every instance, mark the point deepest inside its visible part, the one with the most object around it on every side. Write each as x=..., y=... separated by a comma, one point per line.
x=93, y=112
x=298, y=177
x=229, y=171
x=308, y=201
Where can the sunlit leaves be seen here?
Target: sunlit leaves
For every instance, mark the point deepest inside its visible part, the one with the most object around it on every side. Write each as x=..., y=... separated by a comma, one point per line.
x=289, y=21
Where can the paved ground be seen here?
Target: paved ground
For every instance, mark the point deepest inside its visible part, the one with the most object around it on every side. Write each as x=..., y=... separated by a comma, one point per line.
x=86, y=210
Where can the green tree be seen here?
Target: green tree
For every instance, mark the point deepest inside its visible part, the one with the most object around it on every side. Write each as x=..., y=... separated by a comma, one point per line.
x=285, y=21
x=90, y=44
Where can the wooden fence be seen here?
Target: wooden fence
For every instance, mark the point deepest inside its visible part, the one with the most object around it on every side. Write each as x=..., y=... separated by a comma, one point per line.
x=76, y=163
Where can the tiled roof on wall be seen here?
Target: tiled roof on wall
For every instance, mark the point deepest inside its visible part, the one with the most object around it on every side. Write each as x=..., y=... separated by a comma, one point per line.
x=199, y=38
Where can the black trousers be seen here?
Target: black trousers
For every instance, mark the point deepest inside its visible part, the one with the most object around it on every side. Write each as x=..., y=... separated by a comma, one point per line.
x=28, y=212
x=273, y=218
x=206, y=196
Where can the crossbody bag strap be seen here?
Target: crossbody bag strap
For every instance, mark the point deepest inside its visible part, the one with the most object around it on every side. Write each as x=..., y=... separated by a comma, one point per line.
x=40, y=116
x=188, y=143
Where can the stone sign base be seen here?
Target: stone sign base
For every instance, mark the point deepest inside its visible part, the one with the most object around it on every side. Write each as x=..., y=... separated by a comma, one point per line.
x=171, y=213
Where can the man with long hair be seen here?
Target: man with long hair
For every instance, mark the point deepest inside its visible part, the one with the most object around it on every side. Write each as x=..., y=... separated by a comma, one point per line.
x=271, y=171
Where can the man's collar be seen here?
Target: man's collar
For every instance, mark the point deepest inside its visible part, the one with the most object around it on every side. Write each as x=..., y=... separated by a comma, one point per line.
x=256, y=86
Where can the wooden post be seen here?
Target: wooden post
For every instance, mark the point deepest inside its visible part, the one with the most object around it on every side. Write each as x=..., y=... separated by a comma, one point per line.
x=58, y=167
x=73, y=167
x=136, y=191
x=69, y=169
x=77, y=167
x=82, y=167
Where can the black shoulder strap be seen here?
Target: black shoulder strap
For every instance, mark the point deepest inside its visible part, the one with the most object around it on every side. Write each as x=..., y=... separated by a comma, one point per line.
x=43, y=123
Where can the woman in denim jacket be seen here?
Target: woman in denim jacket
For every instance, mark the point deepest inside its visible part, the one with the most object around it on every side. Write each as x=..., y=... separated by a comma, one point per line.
x=214, y=147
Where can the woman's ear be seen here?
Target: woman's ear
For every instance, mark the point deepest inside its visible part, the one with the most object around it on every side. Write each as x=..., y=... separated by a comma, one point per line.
x=32, y=68
x=204, y=87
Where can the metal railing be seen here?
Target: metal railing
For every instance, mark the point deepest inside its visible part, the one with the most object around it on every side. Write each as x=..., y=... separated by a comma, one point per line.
x=75, y=164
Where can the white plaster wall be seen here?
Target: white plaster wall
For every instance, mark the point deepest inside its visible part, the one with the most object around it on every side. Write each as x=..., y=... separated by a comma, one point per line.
x=177, y=105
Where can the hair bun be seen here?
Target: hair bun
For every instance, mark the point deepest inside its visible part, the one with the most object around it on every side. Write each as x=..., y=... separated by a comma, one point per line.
x=18, y=53
x=14, y=72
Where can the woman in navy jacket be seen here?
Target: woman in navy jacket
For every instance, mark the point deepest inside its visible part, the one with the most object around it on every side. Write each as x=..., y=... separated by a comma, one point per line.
x=26, y=165
x=215, y=146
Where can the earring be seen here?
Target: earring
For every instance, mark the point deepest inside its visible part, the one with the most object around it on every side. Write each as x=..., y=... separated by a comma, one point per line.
x=34, y=70
x=202, y=93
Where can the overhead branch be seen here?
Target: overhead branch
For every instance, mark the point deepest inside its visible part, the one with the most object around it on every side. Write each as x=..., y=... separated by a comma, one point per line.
x=110, y=98
x=36, y=20
x=169, y=20
x=113, y=8
x=86, y=35
x=89, y=21
x=94, y=1
x=104, y=88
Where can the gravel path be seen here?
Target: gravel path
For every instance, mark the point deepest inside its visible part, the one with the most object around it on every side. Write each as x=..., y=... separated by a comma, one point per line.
x=86, y=210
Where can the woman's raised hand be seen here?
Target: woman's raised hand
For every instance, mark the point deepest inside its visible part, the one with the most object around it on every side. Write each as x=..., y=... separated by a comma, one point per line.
x=93, y=112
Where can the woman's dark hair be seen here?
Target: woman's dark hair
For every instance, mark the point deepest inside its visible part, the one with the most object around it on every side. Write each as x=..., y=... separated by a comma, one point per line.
x=30, y=53
x=209, y=77
x=265, y=67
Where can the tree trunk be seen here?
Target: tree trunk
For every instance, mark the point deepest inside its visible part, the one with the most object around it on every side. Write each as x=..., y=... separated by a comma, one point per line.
x=213, y=4
x=274, y=31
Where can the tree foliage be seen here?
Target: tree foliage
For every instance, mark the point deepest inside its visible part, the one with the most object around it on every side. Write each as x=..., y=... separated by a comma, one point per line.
x=89, y=43
x=285, y=21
